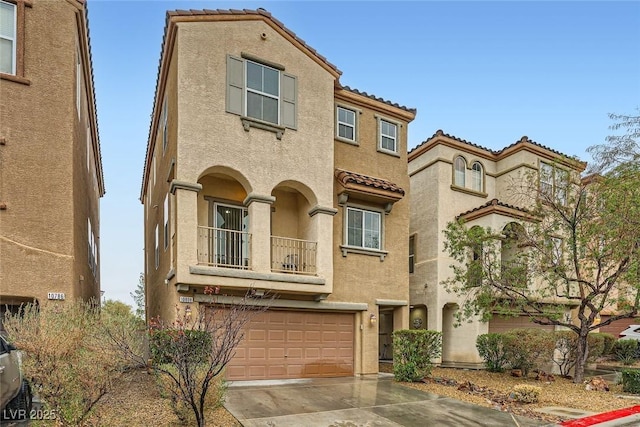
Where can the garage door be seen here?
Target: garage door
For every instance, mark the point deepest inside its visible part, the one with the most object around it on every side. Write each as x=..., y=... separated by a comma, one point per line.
x=294, y=344
x=618, y=326
x=504, y=324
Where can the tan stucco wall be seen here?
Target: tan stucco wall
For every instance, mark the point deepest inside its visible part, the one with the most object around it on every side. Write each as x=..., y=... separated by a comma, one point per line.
x=43, y=174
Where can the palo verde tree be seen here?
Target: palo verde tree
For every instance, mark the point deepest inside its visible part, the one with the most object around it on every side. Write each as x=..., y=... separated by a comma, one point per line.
x=578, y=249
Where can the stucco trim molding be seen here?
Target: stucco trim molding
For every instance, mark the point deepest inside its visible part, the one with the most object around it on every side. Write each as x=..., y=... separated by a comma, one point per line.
x=394, y=302
x=249, y=122
x=283, y=303
x=253, y=275
x=252, y=197
x=317, y=209
x=469, y=191
x=184, y=185
x=362, y=251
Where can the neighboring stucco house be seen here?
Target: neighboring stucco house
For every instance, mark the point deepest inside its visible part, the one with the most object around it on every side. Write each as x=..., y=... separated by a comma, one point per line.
x=263, y=172
x=452, y=178
x=50, y=166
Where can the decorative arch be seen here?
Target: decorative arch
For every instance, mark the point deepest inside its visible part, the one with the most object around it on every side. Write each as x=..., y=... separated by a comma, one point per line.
x=459, y=171
x=301, y=188
x=230, y=172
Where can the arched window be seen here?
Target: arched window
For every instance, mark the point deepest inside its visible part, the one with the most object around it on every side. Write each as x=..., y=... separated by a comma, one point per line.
x=460, y=166
x=476, y=177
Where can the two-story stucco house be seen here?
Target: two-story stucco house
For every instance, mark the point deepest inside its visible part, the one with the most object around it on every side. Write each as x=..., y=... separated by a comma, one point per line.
x=50, y=165
x=452, y=178
x=263, y=172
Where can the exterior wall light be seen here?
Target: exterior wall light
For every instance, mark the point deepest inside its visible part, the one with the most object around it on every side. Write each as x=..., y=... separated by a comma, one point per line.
x=373, y=319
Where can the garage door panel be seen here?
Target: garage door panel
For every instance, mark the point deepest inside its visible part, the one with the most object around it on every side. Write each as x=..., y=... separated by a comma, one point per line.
x=504, y=324
x=282, y=344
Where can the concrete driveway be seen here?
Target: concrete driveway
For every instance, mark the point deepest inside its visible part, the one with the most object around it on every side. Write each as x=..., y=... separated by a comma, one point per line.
x=354, y=402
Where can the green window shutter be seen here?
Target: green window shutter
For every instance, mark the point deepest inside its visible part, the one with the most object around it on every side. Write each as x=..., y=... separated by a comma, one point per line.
x=288, y=113
x=235, y=85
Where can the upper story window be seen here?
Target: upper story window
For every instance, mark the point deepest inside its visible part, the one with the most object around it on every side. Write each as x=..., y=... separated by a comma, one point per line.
x=476, y=177
x=388, y=136
x=346, y=121
x=554, y=182
x=165, y=138
x=460, y=170
x=78, y=81
x=166, y=221
x=8, y=34
x=412, y=253
x=262, y=93
x=156, y=253
x=363, y=228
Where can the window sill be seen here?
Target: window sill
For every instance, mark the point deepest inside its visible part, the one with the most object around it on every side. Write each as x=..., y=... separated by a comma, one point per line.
x=469, y=191
x=363, y=251
x=388, y=152
x=249, y=122
x=16, y=79
x=347, y=141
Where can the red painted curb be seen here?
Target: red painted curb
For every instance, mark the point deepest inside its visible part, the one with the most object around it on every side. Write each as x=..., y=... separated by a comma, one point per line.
x=602, y=418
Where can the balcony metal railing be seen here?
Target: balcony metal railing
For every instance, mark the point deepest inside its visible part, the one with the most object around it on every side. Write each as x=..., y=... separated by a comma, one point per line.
x=219, y=247
x=293, y=255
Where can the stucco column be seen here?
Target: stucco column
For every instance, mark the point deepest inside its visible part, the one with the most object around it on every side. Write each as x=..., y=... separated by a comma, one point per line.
x=259, y=208
x=186, y=210
x=322, y=232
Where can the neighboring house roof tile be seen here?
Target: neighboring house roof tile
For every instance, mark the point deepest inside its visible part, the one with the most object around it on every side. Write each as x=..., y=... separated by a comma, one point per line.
x=347, y=177
x=393, y=104
x=496, y=206
x=497, y=153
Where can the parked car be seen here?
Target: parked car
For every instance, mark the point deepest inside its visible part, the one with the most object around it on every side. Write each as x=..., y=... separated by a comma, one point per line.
x=15, y=392
x=632, y=332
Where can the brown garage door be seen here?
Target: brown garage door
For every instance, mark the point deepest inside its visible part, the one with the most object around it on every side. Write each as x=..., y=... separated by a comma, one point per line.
x=618, y=326
x=504, y=324
x=294, y=344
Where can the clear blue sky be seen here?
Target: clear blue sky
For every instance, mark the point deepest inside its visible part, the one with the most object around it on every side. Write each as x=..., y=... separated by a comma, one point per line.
x=488, y=72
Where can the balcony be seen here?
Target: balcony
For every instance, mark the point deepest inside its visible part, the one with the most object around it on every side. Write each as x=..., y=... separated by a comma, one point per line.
x=219, y=247
x=293, y=256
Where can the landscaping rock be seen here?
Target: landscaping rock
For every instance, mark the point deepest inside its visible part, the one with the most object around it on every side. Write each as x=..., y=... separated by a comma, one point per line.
x=597, y=384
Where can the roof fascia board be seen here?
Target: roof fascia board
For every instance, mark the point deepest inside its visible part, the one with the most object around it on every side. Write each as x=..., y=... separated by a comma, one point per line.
x=363, y=101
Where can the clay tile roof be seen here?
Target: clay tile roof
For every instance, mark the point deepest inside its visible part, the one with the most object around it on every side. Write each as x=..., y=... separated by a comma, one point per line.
x=259, y=11
x=525, y=139
x=439, y=132
x=347, y=177
x=393, y=104
x=495, y=202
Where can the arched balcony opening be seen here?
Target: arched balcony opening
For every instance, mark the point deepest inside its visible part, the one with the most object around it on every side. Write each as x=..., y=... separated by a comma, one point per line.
x=293, y=240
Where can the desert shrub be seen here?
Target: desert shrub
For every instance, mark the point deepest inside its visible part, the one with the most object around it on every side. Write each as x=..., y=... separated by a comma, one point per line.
x=528, y=348
x=565, y=352
x=631, y=381
x=491, y=349
x=166, y=344
x=609, y=343
x=413, y=350
x=68, y=355
x=625, y=351
x=526, y=393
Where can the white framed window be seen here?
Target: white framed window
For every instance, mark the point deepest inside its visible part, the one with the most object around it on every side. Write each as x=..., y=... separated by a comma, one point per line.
x=165, y=137
x=92, y=249
x=166, y=222
x=555, y=250
x=8, y=32
x=388, y=136
x=412, y=253
x=78, y=80
x=262, y=92
x=156, y=249
x=364, y=228
x=554, y=182
x=459, y=171
x=346, y=124
x=477, y=176
x=153, y=166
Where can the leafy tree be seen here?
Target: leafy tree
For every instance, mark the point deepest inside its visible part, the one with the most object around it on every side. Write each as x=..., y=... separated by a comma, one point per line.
x=138, y=297
x=620, y=149
x=580, y=248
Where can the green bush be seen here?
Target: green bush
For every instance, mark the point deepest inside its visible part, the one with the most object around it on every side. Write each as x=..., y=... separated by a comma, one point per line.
x=526, y=393
x=609, y=343
x=491, y=349
x=528, y=348
x=595, y=344
x=631, y=381
x=566, y=346
x=193, y=346
x=625, y=351
x=413, y=350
